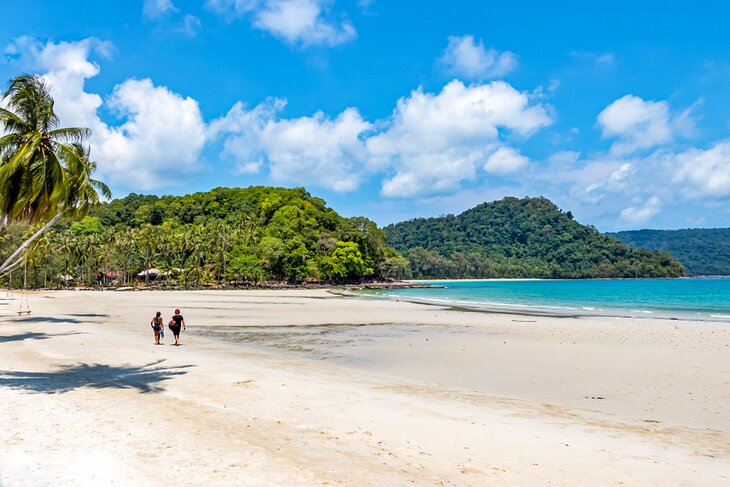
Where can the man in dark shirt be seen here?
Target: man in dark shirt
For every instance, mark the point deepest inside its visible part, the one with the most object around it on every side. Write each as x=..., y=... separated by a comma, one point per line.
x=175, y=323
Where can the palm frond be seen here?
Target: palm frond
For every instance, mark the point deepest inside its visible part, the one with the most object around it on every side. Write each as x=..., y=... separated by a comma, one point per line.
x=69, y=135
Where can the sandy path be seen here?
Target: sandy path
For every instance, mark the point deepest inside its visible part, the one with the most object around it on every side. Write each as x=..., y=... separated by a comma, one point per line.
x=86, y=399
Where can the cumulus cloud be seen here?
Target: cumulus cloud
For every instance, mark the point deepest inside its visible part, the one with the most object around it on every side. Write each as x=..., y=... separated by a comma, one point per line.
x=425, y=173
x=66, y=66
x=297, y=22
x=162, y=133
x=505, y=160
x=154, y=9
x=706, y=171
x=241, y=129
x=435, y=141
x=316, y=150
x=161, y=138
x=640, y=124
x=431, y=143
x=634, y=215
x=468, y=59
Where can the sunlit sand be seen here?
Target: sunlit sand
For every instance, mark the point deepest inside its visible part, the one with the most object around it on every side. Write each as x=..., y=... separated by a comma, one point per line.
x=280, y=388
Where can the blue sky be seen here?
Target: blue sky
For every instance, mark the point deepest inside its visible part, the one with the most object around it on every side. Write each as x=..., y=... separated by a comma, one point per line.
x=617, y=111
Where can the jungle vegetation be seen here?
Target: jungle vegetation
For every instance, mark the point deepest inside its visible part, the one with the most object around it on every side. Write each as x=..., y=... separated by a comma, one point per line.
x=702, y=251
x=520, y=238
x=227, y=235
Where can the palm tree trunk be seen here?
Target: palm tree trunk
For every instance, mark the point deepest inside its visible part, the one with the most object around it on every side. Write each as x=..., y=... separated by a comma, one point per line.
x=11, y=260
x=12, y=267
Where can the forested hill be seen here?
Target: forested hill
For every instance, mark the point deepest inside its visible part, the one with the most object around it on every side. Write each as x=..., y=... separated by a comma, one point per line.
x=222, y=236
x=703, y=251
x=513, y=237
x=252, y=234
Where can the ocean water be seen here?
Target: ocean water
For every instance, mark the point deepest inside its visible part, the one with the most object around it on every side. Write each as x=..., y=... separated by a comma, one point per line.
x=694, y=298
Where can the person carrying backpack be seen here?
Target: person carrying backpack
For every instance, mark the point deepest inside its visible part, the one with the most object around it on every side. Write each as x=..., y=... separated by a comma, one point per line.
x=175, y=323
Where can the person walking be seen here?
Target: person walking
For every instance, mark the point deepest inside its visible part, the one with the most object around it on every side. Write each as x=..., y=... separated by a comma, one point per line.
x=175, y=323
x=157, y=326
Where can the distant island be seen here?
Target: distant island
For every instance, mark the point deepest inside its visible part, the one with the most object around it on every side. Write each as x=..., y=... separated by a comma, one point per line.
x=254, y=235
x=515, y=238
x=702, y=251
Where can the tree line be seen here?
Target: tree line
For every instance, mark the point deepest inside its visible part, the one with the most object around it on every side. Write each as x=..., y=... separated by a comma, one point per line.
x=702, y=251
x=227, y=235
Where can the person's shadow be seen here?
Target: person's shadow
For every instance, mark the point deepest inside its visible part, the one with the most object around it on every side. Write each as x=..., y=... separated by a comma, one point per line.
x=144, y=378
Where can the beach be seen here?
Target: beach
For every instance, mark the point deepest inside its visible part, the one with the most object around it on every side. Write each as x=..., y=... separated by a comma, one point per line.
x=312, y=387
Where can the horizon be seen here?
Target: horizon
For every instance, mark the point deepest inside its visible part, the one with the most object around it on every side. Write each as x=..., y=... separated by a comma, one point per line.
x=618, y=116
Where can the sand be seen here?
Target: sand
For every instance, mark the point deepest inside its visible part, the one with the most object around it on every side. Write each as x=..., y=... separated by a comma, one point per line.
x=415, y=395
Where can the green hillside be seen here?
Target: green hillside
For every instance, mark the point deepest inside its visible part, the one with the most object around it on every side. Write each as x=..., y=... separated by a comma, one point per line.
x=703, y=251
x=225, y=235
x=514, y=237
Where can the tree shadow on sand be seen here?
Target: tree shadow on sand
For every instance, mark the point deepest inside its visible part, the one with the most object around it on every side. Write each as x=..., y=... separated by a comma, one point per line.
x=46, y=319
x=144, y=378
x=31, y=335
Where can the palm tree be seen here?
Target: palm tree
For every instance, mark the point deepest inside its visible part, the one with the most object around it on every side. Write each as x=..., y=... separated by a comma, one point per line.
x=66, y=243
x=81, y=193
x=44, y=169
x=149, y=241
x=32, y=151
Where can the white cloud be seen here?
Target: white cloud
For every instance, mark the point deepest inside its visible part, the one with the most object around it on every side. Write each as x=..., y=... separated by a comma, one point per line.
x=314, y=150
x=317, y=150
x=640, y=124
x=634, y=215
x=160, y=140
x=189, y=25
x=505, y=160
x=163, y=132
x=231, y=9
x=430, y=144
x=435, y=141
x=297, y=22
x=66, y=66
x=707, y=171
x=429, y=173
x=564, y=157
x=465, y=58
x=154, y=9
x=241, y=130
x=614, y=181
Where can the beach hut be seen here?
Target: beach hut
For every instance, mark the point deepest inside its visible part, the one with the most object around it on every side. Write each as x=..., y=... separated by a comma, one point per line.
x=111, y=277
x=150, y=273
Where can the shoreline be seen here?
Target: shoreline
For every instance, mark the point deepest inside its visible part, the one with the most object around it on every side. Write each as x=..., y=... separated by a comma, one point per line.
x=546, y=311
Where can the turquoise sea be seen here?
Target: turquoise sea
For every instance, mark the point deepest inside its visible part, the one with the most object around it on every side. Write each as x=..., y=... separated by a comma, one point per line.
x=692, y=298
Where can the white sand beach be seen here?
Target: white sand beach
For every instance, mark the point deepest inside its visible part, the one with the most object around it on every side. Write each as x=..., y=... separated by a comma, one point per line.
x=419, y=395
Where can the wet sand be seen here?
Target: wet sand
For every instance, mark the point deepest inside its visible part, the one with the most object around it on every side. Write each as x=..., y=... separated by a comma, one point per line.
x=310, y=388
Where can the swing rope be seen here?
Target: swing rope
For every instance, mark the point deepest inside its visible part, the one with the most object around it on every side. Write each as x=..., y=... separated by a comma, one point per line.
x=24, y=294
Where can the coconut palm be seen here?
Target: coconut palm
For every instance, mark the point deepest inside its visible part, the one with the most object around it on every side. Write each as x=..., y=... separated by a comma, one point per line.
x=32, y=152
x=45, y=172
